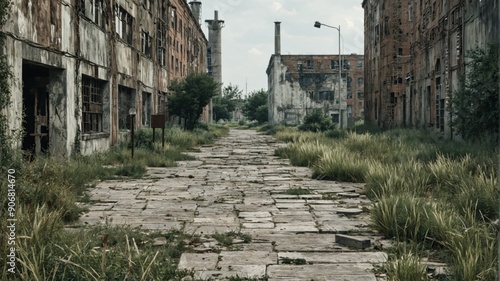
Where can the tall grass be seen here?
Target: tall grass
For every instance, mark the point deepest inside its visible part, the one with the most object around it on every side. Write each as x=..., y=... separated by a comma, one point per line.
x=442, y=194
x=47, y=191
x=339, y=164
x=405, y=264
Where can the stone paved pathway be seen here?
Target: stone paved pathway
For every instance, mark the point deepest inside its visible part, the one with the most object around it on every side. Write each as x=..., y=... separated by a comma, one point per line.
x=238, y=185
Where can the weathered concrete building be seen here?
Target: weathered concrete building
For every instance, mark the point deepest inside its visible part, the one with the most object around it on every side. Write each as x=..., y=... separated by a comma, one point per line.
x=297, y=84
x=81, y=66
x=414, y=54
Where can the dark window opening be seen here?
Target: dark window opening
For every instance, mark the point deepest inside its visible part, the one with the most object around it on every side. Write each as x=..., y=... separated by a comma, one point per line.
x=92, y=105
x=146, y=41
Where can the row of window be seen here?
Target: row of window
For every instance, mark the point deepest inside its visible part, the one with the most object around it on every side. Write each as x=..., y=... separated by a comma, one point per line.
x=93, y=96
x=359, y=94
x=329, y=95
x=124, y=28
x=334, y=64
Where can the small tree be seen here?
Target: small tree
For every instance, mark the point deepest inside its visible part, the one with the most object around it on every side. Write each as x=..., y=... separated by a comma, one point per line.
x=475, y=103
x=189, y=96
x=255, y=107
x=224, y=105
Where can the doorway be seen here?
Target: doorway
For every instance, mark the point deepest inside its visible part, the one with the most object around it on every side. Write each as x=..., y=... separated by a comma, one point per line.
x=35, y=109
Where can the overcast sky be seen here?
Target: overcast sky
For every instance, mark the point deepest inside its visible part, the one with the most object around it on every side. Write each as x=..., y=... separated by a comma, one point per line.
x=248, y=34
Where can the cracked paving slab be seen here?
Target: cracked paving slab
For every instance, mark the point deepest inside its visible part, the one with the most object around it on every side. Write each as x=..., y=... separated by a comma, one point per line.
x=238, y=185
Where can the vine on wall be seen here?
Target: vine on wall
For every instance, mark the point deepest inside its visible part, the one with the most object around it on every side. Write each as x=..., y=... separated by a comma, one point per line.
x=6, y=153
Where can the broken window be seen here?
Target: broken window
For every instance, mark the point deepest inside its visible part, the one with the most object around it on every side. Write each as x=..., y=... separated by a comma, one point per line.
x=346, y=65
x=349, y=95
x=146, y=41
x=349, y=82
x=160, y=42
x=147, y=109
x=334, y=64
x=94, y=11
x=173, y=17
x=92, y=108
x=124, y=24
x=309, y=64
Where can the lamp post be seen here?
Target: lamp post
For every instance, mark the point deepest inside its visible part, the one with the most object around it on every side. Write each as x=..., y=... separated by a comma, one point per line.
x=132, y=112
x=318, y=24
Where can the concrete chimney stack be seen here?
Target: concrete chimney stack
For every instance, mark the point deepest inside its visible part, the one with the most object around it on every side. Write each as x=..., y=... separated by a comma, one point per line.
x=277, y=38
x=196, y=9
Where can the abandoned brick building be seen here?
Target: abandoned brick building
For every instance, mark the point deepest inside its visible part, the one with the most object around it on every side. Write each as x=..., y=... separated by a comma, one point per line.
x=297, y=84
x=79, y=66
x=414, y=54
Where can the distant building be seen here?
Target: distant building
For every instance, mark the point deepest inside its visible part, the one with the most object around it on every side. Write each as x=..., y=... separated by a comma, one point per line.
x=80, y=68
x=297, y=84
x=414, y=54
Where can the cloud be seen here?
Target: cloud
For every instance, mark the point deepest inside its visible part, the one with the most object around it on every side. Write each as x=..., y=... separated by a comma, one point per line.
x=255, y=51
x=276, y=6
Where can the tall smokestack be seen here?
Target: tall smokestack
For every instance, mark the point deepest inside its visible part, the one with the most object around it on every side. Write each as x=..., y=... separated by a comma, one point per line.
x=214, y=52
x=196, y=9
x=277, y=38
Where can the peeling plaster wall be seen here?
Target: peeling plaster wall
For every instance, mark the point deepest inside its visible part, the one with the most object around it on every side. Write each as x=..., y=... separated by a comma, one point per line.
x=65, y=44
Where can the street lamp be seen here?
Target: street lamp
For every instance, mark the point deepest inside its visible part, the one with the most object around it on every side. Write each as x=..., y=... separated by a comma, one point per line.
x=318, y=24
x=132, y=112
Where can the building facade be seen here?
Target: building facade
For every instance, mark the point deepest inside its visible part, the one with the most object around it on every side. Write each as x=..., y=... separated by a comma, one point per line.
x=82, y=67
x=414, y=54
x=298, y=84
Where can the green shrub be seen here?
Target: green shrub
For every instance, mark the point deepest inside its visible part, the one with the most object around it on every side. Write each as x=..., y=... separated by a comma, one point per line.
x=316, y=121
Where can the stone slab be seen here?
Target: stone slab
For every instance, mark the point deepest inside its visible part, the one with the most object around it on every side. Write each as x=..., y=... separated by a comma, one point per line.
x=330, y=272
x=336, y=258
x=297, y=227
x=198, y=261
x=232, y=258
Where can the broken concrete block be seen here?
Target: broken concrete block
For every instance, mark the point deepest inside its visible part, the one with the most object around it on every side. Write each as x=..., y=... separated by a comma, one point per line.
x=353, y=241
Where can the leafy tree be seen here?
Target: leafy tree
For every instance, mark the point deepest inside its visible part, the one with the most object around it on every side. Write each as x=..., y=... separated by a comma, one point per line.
x=475, y=103
x=317, y=121
x=224, y=105
x=255, y=107
x=189, y=96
